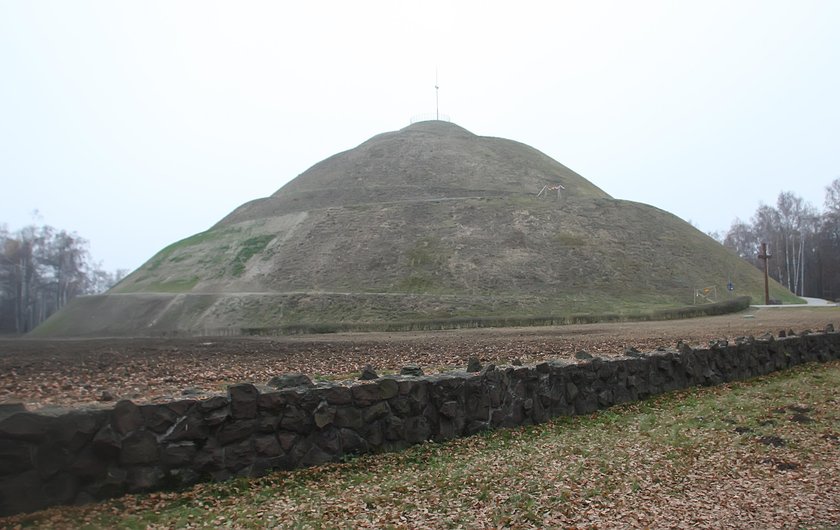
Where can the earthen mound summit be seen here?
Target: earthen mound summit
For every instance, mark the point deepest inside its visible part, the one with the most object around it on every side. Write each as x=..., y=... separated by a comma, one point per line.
x=429, y=225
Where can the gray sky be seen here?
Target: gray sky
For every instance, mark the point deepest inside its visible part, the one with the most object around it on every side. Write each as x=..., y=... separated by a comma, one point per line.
x=137, y=124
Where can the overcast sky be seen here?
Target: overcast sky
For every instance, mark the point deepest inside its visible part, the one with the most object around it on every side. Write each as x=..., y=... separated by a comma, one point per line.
x=137, y=124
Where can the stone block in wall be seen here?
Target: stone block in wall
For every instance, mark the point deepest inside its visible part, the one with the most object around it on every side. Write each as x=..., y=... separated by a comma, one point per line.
x=112, y=484
x=272, y=402
x=243, y=401
x=158, y=418
x=400, y=406
x=335, y=394
x=182, y=406
x=239, y=455
x=448, y=387
x=376, y=411
x=511, y=415
x=789, y=349
x=9, y=408
x=543, y=367
x=309, y=401
x=393, y=428
x=491, y=373
x=536, y=411
x=451, y=409
x=374, y=433
x=189, y=427
x=267, y=446
x=605, y=370
x=728, y=362
x=551, y=393
x=139, y=447
x=571, y=391
x=417, y=392
x=661, y=373
x=209, y=458
x=523, y=373
x=639, y=376
x=606, y=398
x=235, y=430
x=763, y=359
x=416, y=429
x=87, y=464
x=15, y=456
x=106, y=442
x=693, y=367
x=287, y=440
x=369, y=393
x=60, y=489
x=51, y=456
x=498, y=418
x=622, y=394
x=146, y=478
x=351, y=442
x=817, y=346
x=530, y=404
x=430, y=412
x=324, y=414
x=126, y=417
x=213, y=403
x=268, y=423
x=26, y=426
x=586, y=402
x=21, y=493
x=215, y=417
x=307, y=453
x=476, y=400
x=297, y=420
x=178, y=454
x=678, y=378
x=76, y=429
x=450, y=428
x=349, y=417
x=620, y=377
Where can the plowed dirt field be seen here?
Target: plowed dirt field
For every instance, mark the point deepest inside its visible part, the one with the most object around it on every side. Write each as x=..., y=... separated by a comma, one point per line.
x=97, y=372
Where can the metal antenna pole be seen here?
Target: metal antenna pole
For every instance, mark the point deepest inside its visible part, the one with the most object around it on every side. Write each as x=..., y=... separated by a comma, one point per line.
x=437, y=99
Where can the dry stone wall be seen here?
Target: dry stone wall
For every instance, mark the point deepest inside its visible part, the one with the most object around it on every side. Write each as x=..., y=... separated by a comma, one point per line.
x=86, y=455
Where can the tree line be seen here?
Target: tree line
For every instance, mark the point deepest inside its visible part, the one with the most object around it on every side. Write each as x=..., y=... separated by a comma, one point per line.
x=803, y=242
x=41, y=269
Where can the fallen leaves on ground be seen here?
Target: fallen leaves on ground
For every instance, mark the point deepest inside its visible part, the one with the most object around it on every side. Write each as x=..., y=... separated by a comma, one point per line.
x=673, y=461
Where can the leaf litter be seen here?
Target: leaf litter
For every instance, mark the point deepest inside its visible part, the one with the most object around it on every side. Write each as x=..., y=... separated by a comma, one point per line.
x=650, y=464
x=689, y=459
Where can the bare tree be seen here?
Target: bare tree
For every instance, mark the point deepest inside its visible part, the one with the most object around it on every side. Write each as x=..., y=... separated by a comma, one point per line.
x=41, y=270
x=805, y=243
x=743, y=239
x=832, y=197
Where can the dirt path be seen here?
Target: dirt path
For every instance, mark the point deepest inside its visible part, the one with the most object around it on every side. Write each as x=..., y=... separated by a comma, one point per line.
x=98, y=371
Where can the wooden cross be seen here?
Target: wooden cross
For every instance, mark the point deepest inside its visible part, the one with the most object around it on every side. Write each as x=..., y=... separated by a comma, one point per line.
x=764, y=256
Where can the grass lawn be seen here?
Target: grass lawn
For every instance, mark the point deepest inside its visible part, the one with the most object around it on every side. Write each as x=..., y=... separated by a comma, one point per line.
x=763, y=453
